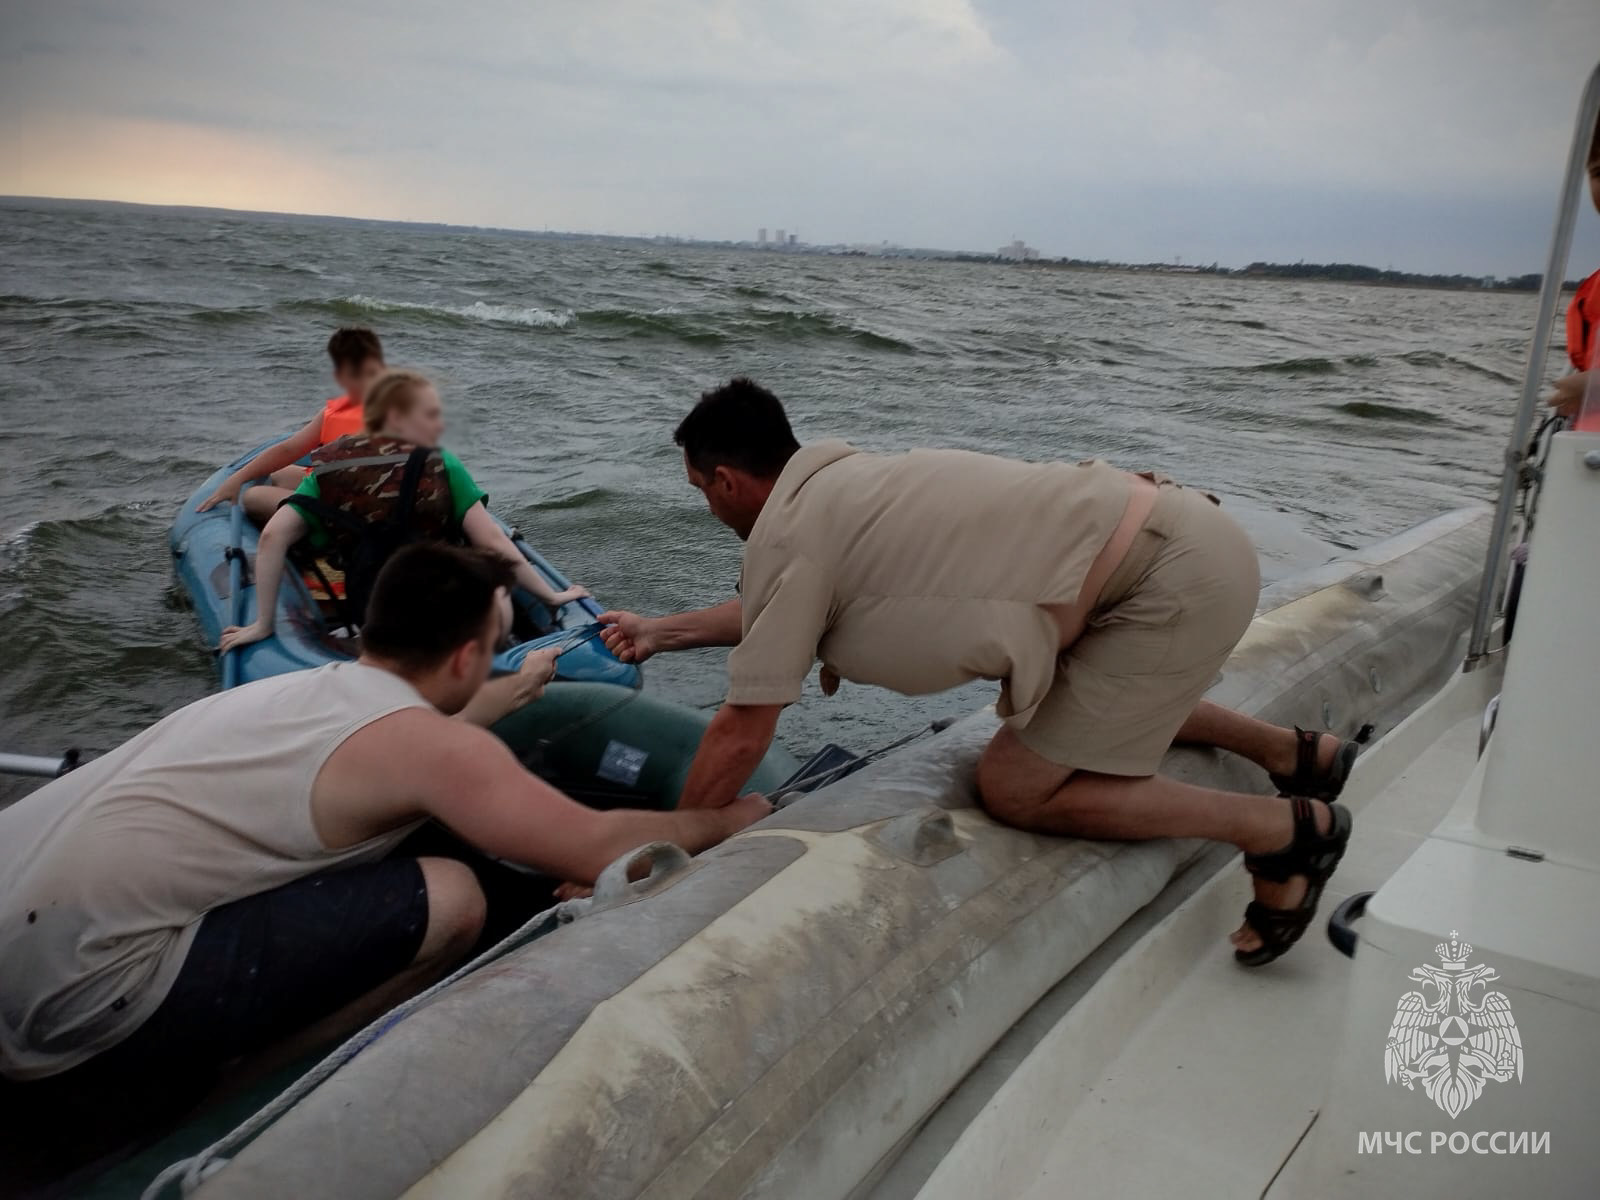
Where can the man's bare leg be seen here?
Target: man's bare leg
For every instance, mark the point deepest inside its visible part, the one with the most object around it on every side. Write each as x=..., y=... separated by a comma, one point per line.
x=1271, y=747
x=1023, y=790
x=456, y=912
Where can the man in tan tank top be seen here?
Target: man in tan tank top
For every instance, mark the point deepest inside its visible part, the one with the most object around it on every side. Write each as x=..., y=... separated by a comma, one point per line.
x=1104, y=602
x=241, y=873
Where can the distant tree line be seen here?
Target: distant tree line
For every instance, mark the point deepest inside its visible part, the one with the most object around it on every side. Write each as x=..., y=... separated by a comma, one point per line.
x=1357, y=273
x=1335, y=272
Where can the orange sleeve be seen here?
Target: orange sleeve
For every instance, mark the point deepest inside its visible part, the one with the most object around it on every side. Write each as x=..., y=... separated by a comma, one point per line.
x=1583, y=324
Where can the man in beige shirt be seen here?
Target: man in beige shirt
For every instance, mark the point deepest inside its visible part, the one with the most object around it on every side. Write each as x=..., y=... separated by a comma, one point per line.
x=1104, y=603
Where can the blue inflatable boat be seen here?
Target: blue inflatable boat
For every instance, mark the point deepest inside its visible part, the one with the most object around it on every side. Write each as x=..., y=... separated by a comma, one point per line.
x=213, y=557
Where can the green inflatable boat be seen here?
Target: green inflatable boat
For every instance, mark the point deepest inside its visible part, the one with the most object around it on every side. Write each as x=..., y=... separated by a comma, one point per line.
x=617, y=747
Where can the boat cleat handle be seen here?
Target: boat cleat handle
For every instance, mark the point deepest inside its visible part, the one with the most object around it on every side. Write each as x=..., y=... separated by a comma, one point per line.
x=616, y=884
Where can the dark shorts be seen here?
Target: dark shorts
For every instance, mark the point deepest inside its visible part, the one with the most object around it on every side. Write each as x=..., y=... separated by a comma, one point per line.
x=259, y=969
x=271, y=964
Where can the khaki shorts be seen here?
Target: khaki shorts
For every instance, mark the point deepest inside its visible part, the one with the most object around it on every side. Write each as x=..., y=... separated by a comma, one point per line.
x=1167, y=620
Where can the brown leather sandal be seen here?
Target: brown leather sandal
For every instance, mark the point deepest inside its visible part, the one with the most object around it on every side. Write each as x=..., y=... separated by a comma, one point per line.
x=1312, y=855
x=1311, y=780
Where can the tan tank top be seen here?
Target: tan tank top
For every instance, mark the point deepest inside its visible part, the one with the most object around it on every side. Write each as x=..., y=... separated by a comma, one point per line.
x=106, y=872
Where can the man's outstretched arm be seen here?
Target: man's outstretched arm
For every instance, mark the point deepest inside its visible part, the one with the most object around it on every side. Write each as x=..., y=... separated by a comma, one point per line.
x=733, y=746
x=633, y=638
x=476, y=787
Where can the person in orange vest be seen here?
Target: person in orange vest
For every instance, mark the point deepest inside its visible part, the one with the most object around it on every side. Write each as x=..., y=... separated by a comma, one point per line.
x=357, y=361
x=1583, y=332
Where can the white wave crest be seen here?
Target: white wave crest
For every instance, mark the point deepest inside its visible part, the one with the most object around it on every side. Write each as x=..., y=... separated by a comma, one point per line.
x=498, y=314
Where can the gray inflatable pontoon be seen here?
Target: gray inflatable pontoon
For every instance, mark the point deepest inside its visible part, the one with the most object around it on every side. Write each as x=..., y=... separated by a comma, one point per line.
x=777, y=1017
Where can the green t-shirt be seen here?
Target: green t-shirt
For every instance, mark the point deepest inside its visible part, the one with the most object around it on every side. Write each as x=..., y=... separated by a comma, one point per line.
x=464, y=493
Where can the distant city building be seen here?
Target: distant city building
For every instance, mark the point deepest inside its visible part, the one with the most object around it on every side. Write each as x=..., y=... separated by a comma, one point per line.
x=1017, y=251
x=761, y=236
x=781, y=238
x=794, y=239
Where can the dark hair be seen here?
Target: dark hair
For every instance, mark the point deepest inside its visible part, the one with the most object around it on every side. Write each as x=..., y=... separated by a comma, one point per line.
x=429, y=600
x=739, y=425
x=353, y=345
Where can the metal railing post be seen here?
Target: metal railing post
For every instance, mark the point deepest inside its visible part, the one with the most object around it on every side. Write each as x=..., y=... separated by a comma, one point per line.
x=1549, y=294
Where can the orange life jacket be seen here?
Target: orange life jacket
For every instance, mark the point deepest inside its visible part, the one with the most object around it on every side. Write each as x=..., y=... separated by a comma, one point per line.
x=341, y=417
x=1583, y=343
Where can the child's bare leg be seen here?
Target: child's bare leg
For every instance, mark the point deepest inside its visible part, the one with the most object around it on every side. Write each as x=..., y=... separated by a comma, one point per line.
x=261, y=501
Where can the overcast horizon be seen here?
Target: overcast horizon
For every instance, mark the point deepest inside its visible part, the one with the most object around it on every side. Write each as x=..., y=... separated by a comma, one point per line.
x=1423, y=136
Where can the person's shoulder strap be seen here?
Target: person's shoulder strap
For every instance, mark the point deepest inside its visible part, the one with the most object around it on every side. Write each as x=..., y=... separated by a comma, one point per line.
x=373, y=460
x=416, y=463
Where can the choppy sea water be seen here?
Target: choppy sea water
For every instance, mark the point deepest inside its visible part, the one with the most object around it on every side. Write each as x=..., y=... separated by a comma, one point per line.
x=139, y=349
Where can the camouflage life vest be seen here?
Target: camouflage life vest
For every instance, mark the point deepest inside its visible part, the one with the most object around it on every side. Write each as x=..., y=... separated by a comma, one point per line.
x=376, y=495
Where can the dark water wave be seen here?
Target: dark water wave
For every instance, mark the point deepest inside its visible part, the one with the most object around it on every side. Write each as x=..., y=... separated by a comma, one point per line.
x=229, y=316
x=1371, y=410
x=589, y=498
x=747, y=324
x=1299, y=366
x=760, y=293
x=1425, y=358
x=290, y=269
x=804, y=326
x=1487, y=372
x=665, y=323
x=672, y=271
x=117, y=522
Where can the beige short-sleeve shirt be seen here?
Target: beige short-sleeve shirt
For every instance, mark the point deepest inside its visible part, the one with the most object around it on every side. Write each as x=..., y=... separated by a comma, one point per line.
x=918, y=572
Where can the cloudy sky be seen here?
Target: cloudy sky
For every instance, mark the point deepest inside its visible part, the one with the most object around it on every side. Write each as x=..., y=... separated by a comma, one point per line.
x=1423, y=134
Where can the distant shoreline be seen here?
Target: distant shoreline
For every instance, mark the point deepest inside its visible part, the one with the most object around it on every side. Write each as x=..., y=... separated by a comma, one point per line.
x=1343, y=273
x=1243, y=275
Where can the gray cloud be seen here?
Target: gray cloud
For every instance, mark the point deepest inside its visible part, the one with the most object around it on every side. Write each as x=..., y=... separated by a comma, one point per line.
x=1423, y=133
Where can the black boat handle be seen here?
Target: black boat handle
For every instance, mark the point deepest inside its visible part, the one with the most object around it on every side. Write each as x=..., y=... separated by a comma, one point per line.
x=1343, y=937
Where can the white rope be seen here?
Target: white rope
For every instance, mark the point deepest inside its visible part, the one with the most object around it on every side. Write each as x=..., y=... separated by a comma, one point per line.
x=613, y=885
